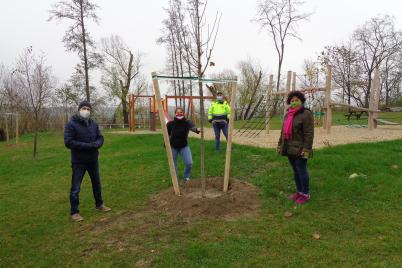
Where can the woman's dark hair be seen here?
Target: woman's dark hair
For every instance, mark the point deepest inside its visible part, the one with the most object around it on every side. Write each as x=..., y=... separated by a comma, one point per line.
x=178, y=108
x=296, y=94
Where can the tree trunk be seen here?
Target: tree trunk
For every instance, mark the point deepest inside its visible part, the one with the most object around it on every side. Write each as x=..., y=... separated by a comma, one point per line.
x=125, y=112
x=84, y=42
x=256, y=107
x=35, y=136
x=367, y=96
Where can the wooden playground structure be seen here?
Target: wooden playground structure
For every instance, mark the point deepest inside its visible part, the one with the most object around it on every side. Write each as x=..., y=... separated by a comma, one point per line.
x=7, y=122
x=372, y=111
x=152, y=110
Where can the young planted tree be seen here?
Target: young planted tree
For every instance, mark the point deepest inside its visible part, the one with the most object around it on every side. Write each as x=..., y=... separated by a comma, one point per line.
x=203, y=38
x=35, y=80
x=76, y=38
x=120, y=69
x=280, y=18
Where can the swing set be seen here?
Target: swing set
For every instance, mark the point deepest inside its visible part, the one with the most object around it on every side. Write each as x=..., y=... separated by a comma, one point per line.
x=143, y=110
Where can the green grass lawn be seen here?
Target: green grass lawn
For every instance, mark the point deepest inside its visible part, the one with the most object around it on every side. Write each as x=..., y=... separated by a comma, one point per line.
x=359, y=219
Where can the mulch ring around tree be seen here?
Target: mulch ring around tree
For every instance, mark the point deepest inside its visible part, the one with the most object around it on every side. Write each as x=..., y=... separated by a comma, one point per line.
x=241, y=200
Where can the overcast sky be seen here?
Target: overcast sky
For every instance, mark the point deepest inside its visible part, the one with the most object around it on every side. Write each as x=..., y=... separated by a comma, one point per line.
x=24, y=23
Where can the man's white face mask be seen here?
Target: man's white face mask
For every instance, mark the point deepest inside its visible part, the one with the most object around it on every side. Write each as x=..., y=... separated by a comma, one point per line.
x=219, y=98
x=85, y=113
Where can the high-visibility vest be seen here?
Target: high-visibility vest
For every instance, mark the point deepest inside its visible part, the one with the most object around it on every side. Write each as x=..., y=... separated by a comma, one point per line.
x=219, y=110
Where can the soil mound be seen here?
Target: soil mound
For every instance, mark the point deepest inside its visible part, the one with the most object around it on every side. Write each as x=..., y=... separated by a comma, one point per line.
x=240, y=200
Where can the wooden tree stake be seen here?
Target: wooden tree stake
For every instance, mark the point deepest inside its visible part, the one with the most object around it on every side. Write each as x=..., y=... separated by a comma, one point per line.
x=230, y=134
x=165, y=135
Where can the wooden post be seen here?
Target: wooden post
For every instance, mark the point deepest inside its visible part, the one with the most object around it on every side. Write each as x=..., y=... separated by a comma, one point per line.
x=230, y=134
x=294, y=81
x=269, y=99
x=328, y=111
x=17, y=132
x=133, y=111
x=377, y=96
x=7, y=131
x=165, y=135
x=154, y=114
x=373, y=104
x=288, y=87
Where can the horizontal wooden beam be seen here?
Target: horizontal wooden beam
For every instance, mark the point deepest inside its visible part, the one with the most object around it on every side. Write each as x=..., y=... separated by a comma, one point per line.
x=191, y=97
x=353, y=107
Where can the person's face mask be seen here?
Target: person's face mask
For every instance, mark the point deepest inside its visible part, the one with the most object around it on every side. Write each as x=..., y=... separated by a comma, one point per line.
x=219, y=98
x=294, y=103
x=180, y=115
x=85, y=113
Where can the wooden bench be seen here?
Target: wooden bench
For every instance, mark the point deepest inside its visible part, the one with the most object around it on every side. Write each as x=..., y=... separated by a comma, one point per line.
x=356, y=114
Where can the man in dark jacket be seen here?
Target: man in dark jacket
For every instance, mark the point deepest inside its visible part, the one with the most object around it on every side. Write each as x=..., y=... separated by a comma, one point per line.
x=83, y=137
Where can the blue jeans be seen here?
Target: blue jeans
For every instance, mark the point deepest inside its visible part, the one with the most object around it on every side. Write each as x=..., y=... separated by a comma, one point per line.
x=301, y=177
x=76, y=180
x=185, y=153
x=218, y=126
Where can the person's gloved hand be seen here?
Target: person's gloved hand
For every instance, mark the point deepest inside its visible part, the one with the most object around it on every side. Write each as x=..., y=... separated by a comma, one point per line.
x=94, y=145
x=197, y=130
x=305, y=154
x=210, y=120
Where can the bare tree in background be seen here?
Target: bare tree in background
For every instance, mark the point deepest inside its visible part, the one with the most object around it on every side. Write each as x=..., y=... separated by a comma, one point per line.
x=67, y=96
x=121, y=67
x=35, y=80
x=346, y=71
x=176, y=37
x=250, y=88
x=376, y=41
x=280, y=18
x=391, y=77
x=77, y=37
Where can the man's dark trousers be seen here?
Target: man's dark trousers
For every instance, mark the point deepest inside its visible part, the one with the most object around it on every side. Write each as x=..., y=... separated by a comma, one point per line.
x=78, y=174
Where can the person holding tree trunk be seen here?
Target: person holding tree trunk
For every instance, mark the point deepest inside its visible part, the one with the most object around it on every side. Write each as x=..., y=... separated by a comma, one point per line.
x=178, y=130
x=296, y=142
x=83, y=137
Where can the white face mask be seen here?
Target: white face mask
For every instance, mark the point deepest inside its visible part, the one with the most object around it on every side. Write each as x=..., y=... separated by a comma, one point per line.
x=85, y=113
x=180, y=117
x=219, y=98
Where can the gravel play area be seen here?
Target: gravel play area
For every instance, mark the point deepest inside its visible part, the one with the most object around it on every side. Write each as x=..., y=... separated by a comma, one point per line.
x=339, y=135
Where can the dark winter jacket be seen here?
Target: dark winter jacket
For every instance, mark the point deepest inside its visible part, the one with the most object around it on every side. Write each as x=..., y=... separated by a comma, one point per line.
x=178, y=132
x=302, y=135
x=84, y=139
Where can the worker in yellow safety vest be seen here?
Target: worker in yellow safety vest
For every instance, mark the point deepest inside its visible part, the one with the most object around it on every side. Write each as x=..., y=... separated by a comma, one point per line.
x=218, y=115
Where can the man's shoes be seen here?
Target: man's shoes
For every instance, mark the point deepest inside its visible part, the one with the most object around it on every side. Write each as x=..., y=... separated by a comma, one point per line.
x=77, y=217
x=103, y=208
x=186, y=179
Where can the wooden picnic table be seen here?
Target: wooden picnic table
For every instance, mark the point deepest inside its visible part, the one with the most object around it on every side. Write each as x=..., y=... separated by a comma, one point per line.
x=356, y=114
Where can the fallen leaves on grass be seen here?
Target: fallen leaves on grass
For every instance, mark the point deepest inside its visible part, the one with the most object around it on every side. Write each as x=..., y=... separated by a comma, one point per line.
x=357, y=175
x=317, y=236
x=288, y=214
